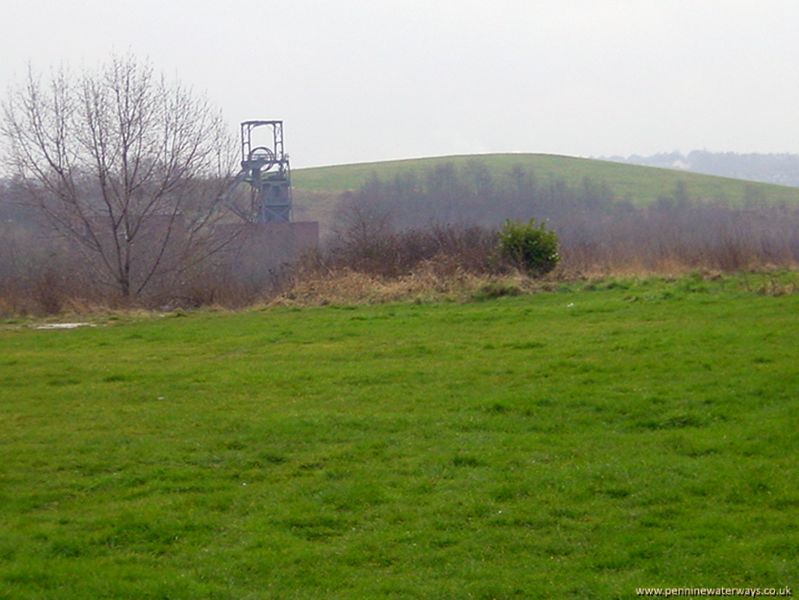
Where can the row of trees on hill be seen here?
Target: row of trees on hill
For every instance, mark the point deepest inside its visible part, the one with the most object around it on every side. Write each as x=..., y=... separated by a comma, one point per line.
x=471, y=195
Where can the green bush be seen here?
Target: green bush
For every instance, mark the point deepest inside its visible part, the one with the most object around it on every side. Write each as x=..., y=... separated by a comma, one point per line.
x=529, y=246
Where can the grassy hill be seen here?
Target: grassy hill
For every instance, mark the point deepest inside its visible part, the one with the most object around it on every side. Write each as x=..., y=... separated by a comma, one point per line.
x=637, y=184
x=573, y=444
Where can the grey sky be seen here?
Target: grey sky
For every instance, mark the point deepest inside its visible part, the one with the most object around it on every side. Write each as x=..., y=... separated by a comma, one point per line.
x=359, y=80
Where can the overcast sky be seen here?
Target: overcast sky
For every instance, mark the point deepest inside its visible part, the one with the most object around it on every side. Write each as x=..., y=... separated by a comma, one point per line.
x=358, y=80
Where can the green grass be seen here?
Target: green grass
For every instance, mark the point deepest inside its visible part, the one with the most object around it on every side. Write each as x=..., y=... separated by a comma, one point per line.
x=640, y=185
x=572, y=444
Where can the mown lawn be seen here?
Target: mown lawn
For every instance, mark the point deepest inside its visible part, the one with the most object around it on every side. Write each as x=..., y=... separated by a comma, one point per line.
x=572, y=444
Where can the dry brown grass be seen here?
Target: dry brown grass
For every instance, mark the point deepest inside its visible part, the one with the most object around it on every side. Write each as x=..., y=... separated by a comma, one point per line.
x=428, y=283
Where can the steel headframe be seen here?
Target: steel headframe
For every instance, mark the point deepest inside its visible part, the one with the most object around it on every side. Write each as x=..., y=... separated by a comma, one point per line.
x=266, y=169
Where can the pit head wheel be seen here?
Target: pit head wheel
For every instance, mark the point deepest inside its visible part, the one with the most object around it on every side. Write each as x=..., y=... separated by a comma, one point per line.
x=262, y=156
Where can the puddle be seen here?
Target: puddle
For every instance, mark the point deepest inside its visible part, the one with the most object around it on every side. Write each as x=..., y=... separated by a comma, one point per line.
x=64, y=325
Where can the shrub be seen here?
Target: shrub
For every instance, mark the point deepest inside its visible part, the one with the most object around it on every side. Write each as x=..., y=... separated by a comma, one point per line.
x=529, y=247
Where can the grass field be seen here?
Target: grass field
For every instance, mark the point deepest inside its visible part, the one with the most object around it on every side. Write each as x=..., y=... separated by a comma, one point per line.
x=640, y=185
x=570, y=444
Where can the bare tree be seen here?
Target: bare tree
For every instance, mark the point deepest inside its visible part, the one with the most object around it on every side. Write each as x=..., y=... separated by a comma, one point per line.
x=125, y=164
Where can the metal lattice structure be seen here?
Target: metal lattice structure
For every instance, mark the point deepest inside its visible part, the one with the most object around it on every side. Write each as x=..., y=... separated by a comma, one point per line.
x=266, y=169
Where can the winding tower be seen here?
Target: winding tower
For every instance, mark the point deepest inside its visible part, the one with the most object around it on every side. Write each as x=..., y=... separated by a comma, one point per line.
x=266, y=169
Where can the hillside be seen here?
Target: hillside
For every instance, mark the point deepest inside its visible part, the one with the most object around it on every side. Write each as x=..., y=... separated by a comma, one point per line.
x=640, y=185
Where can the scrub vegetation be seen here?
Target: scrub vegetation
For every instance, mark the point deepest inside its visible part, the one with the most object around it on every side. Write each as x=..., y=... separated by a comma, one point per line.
x=578, y=443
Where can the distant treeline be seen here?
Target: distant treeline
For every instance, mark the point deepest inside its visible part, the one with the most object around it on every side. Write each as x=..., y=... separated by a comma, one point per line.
x=782, y=169
x=598, y=232
x=475, y=195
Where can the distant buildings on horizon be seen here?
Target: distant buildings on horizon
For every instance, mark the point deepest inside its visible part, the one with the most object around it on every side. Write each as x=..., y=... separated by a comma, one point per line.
x=781, y=169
